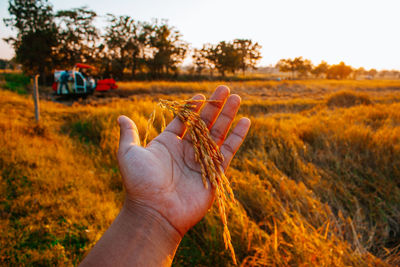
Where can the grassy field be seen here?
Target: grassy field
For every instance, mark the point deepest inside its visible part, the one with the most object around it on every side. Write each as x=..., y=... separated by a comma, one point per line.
x=317, y=178
x=271, y=90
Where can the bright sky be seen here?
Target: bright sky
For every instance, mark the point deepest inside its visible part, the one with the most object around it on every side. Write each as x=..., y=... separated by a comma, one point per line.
x=358, y=32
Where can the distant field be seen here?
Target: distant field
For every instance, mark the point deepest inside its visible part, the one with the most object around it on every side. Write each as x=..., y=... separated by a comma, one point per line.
x=317, y=178
x=272, y=90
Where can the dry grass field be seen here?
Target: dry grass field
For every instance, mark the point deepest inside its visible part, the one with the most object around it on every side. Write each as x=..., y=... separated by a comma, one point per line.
x=317, y=178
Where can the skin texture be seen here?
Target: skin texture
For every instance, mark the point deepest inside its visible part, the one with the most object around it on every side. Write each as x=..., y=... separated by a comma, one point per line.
x=165, y=195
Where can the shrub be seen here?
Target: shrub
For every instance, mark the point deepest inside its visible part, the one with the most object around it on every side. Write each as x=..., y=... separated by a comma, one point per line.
x=348, y=99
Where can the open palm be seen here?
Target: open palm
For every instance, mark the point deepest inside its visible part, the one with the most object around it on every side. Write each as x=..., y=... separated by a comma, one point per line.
x=164, y=176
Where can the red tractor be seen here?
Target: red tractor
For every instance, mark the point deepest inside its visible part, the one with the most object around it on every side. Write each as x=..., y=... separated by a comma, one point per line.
x=78, y=82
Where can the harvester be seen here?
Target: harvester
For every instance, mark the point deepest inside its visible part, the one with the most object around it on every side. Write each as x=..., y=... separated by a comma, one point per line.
x=76, y=82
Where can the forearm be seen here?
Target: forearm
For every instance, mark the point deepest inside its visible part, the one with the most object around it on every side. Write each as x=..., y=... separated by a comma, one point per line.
x=138, y=237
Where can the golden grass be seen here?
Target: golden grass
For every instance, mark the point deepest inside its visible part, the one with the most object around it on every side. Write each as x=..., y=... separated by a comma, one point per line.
x=348, y=99
x=256, y=90
x=315, y=185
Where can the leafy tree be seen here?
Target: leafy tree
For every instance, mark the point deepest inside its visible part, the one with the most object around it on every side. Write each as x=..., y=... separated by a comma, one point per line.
x=358, y=72
x=126, y=41
x=36, y=35
x=339, y=71
x=165, y=48
x=118, y=41
x=372, y=73
x=322, y=68
x=78, y=36
x=303, y=66
x=226, y=57
x=240, y=54
x=200, y=60
x=208, y=51
x=248, y=52
x=286, y=65
x=297, y=65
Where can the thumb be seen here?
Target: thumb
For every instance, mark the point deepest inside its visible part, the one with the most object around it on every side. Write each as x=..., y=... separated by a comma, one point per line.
x=128, y=134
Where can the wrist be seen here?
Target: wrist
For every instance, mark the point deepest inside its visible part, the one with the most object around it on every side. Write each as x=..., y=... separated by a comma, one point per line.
x=156, y=233
x=139, y=236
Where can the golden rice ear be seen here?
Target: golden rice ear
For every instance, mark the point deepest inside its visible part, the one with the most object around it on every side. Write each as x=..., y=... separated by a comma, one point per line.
x=208, y=155
x=163, y=125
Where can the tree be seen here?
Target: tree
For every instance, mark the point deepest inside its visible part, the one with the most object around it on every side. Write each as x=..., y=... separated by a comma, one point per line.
x=120, y=44
x=126, y=41
x=358, y=72
x=36, y=35
x=205, y=58
x=78, y=36
x=384, y=73
x=165, y=48
x=249, y=54
x=239, y=54
x=339, y=71
x=372, y=72
x=226, y=57
x=200, y=60
x=297, y=65
x=286, y=65
x=303, y=66
x=317, y=71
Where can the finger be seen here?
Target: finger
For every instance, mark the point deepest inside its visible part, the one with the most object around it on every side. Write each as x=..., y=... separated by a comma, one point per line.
x=234, y=140
x=212, y=109
x=129, y=134
x=176, y=126
x=224, y=121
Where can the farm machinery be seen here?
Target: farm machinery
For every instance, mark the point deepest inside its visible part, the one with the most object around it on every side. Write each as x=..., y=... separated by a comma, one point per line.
x=78, y=81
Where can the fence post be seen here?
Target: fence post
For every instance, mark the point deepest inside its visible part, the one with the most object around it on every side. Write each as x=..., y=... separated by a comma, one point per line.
x=36, y=97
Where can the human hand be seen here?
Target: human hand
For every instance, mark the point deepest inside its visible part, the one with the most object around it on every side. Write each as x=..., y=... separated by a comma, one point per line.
x=165, y=195
x=163, y=177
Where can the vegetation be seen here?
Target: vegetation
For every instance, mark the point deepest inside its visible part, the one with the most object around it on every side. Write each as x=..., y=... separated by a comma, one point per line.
x=36, y=34
x=75, y=38
x=47, y=40
x=240, y=54
x=339, y=71
x=348, y=99
x=6, y=64
x=316, y=179
x=299, y=67
x=15, y=82
x=131, y=49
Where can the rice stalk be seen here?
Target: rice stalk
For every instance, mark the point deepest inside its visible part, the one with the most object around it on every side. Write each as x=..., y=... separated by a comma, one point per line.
x=150, y=123
x=208, y=155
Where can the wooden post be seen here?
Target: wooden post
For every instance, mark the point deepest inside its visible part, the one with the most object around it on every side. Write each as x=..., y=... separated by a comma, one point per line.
x=36, y=97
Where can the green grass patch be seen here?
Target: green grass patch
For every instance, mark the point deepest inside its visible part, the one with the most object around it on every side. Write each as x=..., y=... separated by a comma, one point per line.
x=16, y=82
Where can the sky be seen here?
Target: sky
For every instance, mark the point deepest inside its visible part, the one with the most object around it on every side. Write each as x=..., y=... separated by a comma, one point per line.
x=359, y=32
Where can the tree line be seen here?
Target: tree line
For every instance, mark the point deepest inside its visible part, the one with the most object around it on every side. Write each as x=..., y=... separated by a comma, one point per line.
x=125, y=48
x=129, y=49
x=303, y=68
